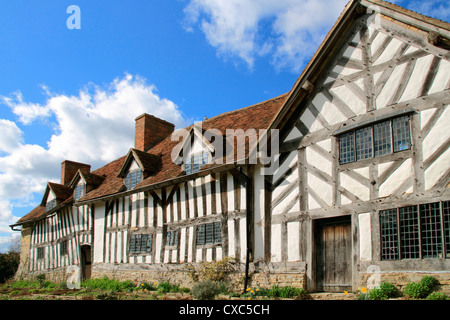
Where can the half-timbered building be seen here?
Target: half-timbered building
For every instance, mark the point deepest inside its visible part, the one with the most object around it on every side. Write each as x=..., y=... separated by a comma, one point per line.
x=357, y=191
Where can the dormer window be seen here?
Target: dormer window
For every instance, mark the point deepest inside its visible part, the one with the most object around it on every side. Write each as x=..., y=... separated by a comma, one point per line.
x=132, y=179
x=80, y=191
x=195, y=162
x=51, y=204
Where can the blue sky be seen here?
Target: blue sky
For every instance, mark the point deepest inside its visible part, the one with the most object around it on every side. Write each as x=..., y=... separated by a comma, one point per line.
x=73, y=94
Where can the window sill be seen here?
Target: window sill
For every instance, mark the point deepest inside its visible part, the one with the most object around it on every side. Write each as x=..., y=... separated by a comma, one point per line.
x=399, y=155
x=208, y=246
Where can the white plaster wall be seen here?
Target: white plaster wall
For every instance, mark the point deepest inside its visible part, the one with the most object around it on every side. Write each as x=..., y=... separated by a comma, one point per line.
x=243, y=237
x=133, y=166
x=293, y=134
x=442, y=77
x=310, y=121
x=317, y=160
x=328, y=110
x=438, y=134
x=183, y=202
x=158, y=244
x=437, y=170
x=391, y=86
x=323, y=189
x=231, y=244
x=350, y=99
x=355, y=187
x=182, y=244
x=365, y=237
x=230, y=192
x=276, y=242
x=50, y=196
x=191, y=238
x=99, y=228
x=389, y=52
x=291, y=160
x=417, y=78
x=258, y=214
x=396, y=179
x=293, y=240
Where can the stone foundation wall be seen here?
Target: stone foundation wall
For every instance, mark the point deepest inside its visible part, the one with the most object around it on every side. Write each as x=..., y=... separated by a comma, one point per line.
x=258, y=277
x=54, y=275
x=401, y=279
x=185, y=279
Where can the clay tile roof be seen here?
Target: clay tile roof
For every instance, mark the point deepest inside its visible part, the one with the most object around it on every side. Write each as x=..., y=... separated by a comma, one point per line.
x=258, y=116
x=61, y=192
x=112, y=183
x=150, y=162
x=33, y=214
x=92, y=179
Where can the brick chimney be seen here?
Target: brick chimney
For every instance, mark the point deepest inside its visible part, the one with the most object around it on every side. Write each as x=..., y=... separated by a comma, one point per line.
x=70, y=168
x=150, y=130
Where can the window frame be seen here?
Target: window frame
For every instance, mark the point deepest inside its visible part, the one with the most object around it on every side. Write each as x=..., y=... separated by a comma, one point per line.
x=50, y=205
x=189, y=162
x=131, y=182
x=40, y=253
x=80, y=191
x=135, y=249
x=64, y=247
x=202, y=239
x=418, y=245
x=172, y=238
x=352, y=152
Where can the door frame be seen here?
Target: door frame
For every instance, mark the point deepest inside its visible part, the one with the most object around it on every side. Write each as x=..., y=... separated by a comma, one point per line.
x=316, y=228
x=86, y=250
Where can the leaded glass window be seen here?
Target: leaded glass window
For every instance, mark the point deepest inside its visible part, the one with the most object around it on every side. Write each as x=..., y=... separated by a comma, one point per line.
x=209, y=233
x=375, y=140
x=132, y=179
x=141, y=243
x=195, y=162
x=80, y=191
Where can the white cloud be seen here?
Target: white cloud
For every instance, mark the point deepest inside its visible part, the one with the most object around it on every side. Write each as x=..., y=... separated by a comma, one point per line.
x=287, y=30
x=10, y=137
x=95, y=126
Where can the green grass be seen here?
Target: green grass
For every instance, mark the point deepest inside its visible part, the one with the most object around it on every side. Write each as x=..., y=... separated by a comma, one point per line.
x=107, y=284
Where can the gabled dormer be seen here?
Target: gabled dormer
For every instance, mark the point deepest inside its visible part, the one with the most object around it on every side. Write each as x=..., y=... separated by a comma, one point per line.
x=83, y=182
x=138, y=165
x=196, y=150
x=54, y=195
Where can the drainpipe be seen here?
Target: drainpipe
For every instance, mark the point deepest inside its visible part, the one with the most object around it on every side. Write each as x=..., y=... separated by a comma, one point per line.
x=248, y=191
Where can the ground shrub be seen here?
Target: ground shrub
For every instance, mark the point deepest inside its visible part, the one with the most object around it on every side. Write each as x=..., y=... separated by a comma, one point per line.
x=282, y=292
x=205, y=290
x=438, y=296
x=389, y=289
x=421, y=289
x=9, y=262
x=213, y=270
x=377, y=294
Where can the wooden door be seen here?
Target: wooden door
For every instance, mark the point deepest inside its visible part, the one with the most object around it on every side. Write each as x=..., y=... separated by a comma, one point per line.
x=334, y=257
x=86, y=262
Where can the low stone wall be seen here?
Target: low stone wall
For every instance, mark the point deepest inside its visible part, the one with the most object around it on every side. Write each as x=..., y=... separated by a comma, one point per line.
x=184, y=278
x=401, y=279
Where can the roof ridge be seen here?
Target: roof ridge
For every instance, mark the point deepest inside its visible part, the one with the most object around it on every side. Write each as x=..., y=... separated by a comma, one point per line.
x=248, y=107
